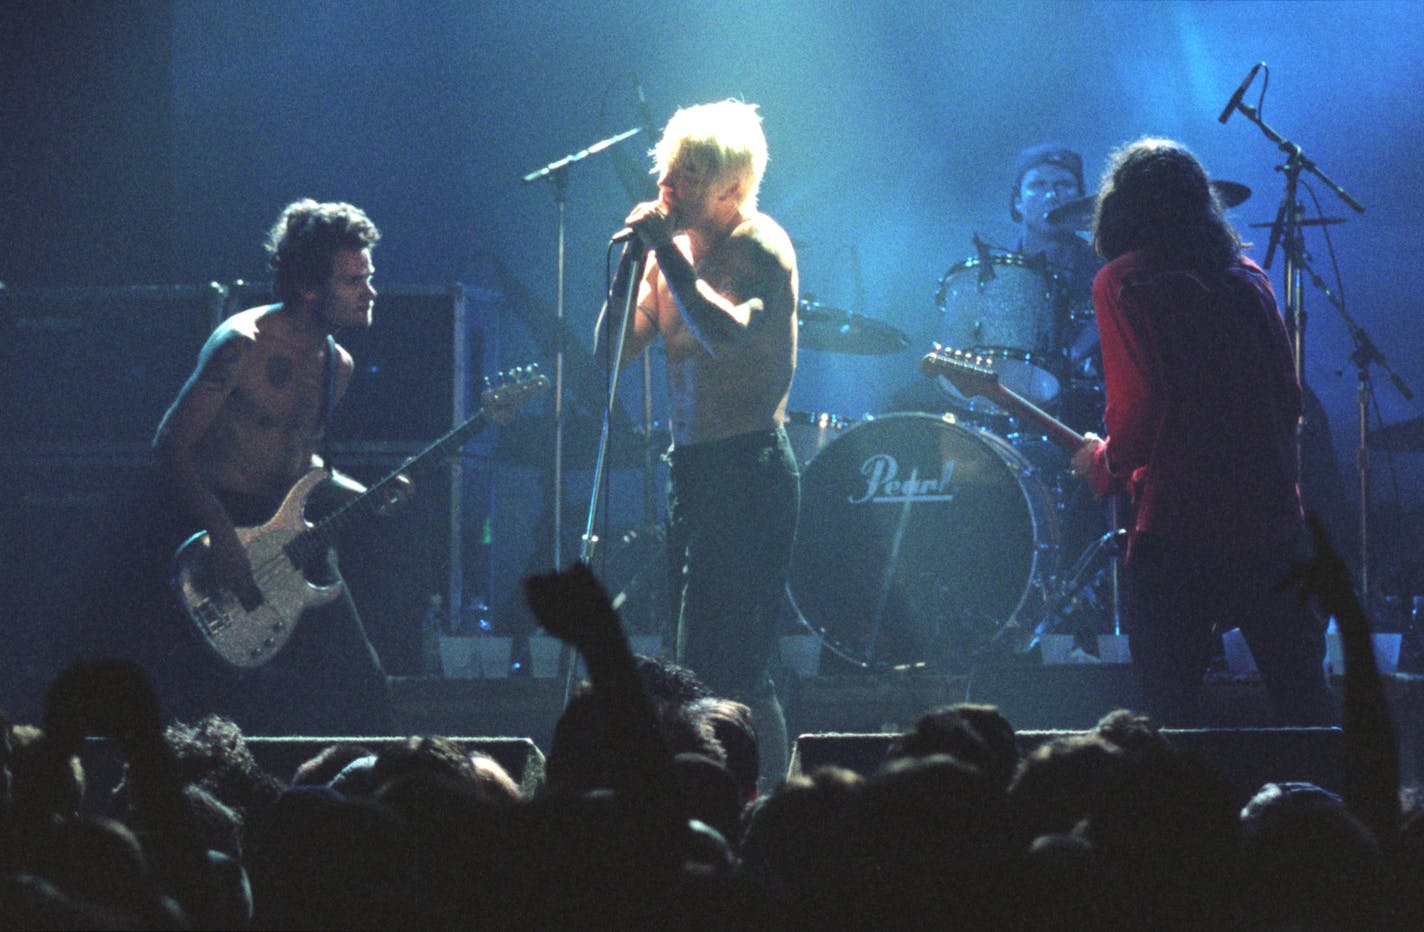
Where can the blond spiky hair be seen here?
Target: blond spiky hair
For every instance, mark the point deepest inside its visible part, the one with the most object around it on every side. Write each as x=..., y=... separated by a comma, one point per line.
x=723, y=139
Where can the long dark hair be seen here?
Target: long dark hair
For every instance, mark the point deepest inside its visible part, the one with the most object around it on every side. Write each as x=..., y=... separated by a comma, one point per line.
x=1155, y=197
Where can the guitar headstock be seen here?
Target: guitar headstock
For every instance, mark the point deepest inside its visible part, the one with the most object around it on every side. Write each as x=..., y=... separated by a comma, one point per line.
x=511, y=390
x=971, y=374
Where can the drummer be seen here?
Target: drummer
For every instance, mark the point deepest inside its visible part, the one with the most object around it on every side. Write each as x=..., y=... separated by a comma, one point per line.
x=1048, y=176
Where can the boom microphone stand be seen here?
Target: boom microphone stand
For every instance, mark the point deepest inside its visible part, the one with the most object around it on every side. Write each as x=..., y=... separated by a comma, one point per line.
x=557, y=172
x=1286, y=233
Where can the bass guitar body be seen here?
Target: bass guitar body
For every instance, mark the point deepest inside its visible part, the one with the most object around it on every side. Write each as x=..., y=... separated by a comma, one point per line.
x=248, y=639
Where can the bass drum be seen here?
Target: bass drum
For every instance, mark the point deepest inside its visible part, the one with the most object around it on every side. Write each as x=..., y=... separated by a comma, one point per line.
x=810, y=432
x=921, y=543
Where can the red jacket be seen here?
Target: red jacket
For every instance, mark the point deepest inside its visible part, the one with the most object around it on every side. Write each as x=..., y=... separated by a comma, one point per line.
x=1202, y=404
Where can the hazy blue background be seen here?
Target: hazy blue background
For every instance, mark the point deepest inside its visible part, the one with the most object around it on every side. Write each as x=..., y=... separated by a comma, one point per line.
x=154, y=142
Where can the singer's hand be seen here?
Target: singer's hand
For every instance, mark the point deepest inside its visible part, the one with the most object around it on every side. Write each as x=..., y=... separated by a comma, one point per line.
x=652, y=223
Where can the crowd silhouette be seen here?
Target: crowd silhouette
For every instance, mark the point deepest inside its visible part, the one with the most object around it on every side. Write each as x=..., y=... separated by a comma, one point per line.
x=650, y=817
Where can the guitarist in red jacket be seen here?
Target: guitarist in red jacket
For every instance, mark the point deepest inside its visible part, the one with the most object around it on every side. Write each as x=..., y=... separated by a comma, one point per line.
x=243, y=429
x=1202, y=404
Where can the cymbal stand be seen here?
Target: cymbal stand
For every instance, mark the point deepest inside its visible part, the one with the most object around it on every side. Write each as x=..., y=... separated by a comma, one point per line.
x=1366, y=353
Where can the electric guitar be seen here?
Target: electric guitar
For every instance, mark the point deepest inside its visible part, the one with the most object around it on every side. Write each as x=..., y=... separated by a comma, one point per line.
x=974, y=375
x=287, y=550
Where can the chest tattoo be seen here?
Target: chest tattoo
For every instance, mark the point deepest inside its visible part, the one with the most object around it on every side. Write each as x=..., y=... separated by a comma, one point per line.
x=279, y=371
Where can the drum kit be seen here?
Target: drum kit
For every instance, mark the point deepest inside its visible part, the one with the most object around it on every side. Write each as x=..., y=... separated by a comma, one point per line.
x=937, y=540
x=930, y=538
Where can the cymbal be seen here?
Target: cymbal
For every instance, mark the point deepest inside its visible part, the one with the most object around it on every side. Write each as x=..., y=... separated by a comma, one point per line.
x=1405, y=436
x=1079, y=211
x=1230, y=193
x=1312, y=222
x=832, y=330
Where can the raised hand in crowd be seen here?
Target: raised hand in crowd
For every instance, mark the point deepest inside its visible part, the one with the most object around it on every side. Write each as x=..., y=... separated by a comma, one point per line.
x=1371, y=781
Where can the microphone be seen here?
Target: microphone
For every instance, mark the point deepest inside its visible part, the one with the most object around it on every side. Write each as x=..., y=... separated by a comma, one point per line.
x=645, y=113
x=1235, y=100
x=623, y=235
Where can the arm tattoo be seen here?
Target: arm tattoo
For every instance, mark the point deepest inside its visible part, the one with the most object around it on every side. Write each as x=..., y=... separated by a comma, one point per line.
x=217, y=371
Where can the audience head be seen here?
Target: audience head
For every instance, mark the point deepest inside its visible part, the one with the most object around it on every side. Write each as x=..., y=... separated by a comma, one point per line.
x=978, y=735
x=323, y=766
x=734, y=731
x=1307, y=862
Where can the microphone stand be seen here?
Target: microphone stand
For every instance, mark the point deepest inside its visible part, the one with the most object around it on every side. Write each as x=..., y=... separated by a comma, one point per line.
x=637, y=256
x=557, y=172
x=1286, y=232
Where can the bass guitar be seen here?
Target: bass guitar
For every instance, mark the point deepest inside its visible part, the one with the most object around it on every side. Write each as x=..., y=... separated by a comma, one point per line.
x=288, y=550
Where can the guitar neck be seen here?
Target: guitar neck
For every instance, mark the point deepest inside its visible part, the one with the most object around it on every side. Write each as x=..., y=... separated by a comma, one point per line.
x=1064, y=436
x=321, y=535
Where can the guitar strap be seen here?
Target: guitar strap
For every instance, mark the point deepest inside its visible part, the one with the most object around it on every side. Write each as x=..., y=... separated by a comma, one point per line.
x=329, y=403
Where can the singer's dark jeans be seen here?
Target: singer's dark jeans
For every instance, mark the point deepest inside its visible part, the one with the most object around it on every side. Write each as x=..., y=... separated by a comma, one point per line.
x=732, y=512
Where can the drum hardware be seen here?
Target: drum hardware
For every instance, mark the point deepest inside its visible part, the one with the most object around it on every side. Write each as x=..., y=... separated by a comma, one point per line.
x=1404, y=436
x=635, y=565
x=1303, y=222
x=811, y=431
x=832, y=330
x=1082, y=603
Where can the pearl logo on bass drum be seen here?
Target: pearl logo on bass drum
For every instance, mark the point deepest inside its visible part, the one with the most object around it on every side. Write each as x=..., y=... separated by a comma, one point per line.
x=884, y=487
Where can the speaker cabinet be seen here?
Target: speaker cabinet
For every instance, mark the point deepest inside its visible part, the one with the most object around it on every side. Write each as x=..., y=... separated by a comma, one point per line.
x=98, y=365
x=1248, y=757
x=395, y=563
x=56, y=519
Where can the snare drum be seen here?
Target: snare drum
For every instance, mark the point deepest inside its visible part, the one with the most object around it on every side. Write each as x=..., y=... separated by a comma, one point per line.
x=921, y=541
x=1007, y=309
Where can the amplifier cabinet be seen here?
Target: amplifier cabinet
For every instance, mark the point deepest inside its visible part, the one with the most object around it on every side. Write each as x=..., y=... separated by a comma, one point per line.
x=97, y=365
